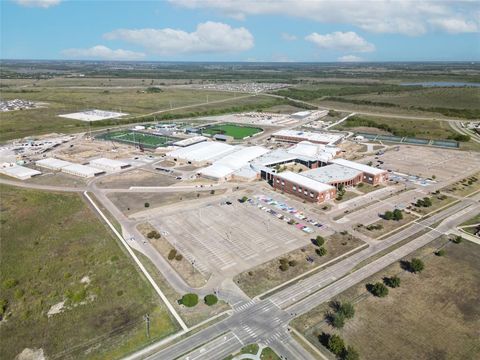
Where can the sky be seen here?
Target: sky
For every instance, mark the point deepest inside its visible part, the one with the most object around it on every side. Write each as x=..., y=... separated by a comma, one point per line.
x=241, y=30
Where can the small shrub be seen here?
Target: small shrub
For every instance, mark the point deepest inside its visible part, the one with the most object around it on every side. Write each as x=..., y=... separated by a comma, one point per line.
x=10, y=283
x=337, y=320
x=416, y=265
x=350, y=353
x=319, y=241
x=179, y=257
x=347, y=310
x=189, y=300
x=321, y=251
x=292, y=263
x=172, y=254
x=147, y=204
x=378, y=289
x=154, y=234
x=119, y=292
x=457, y=239
x=440, y=252
x=392, y=282
x=336, y=344
x=3, y=307
x=210, y=299
x=284, y=267
x=19, y=293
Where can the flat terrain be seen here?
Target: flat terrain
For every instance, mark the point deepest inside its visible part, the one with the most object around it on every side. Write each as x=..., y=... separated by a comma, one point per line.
x=134, y=202
x=55, y=250
x=425, y=162
x=432, y=315
x=227, y=239
x=386, y=226
x=136, y=177
x=235, y=131
x=266, y=276
x=58, y=101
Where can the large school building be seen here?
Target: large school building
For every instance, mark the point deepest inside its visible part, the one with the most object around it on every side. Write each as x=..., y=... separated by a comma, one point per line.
x=320, y=184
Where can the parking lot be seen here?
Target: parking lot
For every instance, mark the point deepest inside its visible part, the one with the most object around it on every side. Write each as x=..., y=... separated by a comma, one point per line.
x=425, y=162
x=229, y=238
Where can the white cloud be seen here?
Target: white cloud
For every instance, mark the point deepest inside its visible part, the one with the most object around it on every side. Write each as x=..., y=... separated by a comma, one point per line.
x=102, y=52
x=38, y=3
x=288, y=37
x=350, y=58
x=341, y=41
x=409, y=17
x=455, y=26
x=209, y=37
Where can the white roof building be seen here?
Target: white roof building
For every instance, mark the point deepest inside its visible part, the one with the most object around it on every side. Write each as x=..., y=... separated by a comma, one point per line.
x=207, y=151
x=109, y=164
x=190, y=141
x=19, y=172
x=82, y=170
x=304, y=181
x=53, y=164
x=316, y=151
x=333, y=173
x=314, y=137
x=227, y=165
x=357, y=166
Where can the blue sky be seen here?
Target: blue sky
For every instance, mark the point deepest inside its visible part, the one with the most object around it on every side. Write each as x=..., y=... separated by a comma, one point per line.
x=228, y=30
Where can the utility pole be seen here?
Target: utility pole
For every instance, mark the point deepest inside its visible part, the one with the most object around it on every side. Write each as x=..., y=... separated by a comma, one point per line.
x=146, y=317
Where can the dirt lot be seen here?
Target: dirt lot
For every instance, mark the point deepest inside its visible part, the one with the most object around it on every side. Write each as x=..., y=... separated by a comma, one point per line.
x=133, y=202
x=268, y=275
x=136, y=177
x=436, y=314
x=182, y=266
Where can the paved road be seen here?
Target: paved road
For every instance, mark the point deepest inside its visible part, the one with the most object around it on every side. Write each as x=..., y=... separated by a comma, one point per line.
x=264, y=321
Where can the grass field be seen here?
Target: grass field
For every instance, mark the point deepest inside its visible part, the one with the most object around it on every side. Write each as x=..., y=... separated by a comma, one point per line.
x=425, y=129
x=59, y=101
x=432, y=315
x=236, y=131
x=137, y=138
x=54, y=250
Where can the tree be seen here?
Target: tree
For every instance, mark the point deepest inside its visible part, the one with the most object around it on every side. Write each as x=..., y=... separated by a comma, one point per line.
x=416, y=265
x=336, y=344
x=189, y=300
x=321, y=251
x=388, y=215
x=337, y=320
x=351, y=353
x=243, y=199
x=440, y=252
x=397, y=214
x=347, y=310
x=172, y=254
x=378, y=289
x=457, y=239
x=147, y=204
x=319, y=241
x=393, y=281
x=210, y=299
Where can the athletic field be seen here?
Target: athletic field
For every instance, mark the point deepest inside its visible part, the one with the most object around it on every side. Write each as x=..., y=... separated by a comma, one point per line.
x=235, y=131
x=138, y=138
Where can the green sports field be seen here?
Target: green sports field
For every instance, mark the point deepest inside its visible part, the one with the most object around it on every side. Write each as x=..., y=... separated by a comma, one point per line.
x=134, y=137
x=235, y=131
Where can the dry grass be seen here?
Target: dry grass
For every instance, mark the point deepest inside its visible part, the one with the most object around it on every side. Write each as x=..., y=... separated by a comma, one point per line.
x=387, y=225
x=183, y=267
x=433, y=315
x=268, y=275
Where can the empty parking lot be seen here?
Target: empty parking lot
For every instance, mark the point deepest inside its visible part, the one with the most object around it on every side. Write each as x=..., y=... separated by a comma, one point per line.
x=228, y=239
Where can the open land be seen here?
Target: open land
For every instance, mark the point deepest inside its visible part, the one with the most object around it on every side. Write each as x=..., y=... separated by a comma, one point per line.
x=72, y=260
x=435, y=313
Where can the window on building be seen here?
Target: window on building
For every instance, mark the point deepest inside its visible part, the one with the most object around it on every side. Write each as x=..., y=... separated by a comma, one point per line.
x=294, y=187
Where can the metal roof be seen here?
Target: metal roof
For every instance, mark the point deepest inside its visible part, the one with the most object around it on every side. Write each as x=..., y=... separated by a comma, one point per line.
x=53, y=163
x=304, y=181
x=361, y=167
x=332, y=173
